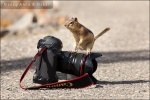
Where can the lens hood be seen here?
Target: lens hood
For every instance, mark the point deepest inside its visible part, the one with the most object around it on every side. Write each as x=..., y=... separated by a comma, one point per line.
x=90, y=63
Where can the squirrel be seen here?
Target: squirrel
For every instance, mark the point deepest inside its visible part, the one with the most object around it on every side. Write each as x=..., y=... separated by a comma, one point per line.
x=84, y=38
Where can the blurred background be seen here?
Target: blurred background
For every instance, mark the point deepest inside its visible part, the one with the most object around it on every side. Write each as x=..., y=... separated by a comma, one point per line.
x=126, y=44
x=128, y=21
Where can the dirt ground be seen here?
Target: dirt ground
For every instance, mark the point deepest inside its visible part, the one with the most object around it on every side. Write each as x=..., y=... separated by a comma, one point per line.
x=123, y=70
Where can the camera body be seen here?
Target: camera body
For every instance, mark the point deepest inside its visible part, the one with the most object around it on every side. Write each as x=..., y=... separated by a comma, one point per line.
x=53, y=59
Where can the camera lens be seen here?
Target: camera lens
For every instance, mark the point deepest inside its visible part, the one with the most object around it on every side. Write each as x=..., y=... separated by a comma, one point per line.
x=69, y=63
x=76, y=63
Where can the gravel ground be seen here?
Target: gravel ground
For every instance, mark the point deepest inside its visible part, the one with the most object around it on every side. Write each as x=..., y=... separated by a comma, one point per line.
x=123, y=71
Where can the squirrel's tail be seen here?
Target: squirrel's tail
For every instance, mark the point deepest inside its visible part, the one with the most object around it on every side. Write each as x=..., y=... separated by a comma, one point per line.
x=100, y=34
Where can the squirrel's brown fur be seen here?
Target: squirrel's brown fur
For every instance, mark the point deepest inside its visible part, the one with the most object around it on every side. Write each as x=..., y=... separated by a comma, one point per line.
x=84, y=38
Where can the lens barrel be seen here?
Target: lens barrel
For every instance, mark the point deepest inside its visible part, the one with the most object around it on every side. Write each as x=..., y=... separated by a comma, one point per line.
x=77, y=63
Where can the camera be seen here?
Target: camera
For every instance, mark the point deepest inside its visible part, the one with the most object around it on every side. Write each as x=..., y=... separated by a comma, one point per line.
x=55, y=60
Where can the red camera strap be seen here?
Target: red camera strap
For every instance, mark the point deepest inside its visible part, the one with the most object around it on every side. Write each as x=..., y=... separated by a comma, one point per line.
x=79, y=82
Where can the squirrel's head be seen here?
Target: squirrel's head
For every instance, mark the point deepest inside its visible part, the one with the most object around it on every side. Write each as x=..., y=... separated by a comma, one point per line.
x=72, y=24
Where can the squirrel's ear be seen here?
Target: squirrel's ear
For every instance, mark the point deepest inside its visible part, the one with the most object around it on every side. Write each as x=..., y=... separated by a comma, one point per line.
x=76, y=19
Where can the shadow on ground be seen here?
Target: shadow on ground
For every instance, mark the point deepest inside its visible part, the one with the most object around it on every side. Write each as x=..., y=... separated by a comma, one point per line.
x=108, y=57
x=121, y=56
x=100, y=83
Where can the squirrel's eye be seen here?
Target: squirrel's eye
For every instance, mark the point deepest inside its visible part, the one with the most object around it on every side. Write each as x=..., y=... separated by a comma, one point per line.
x=71, y=23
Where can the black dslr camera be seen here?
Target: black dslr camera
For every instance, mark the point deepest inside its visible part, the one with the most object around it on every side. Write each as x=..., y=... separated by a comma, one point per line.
x=53, y=59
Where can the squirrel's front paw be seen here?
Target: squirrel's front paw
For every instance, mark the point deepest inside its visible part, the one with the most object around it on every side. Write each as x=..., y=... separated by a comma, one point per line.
x=88, y=52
